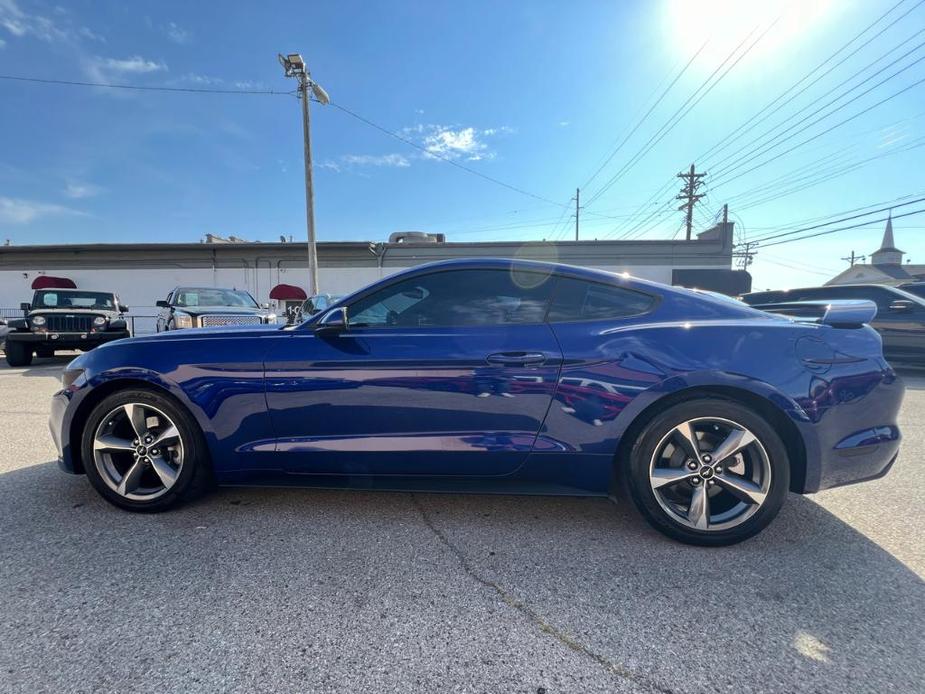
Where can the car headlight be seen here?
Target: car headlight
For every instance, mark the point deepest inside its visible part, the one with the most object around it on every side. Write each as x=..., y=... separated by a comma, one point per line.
x=99, y=320
x=182, y=320
x=38, y=320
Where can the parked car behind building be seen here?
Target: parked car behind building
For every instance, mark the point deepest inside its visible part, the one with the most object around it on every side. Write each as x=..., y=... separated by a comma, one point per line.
x=62, y=319
x=205, y=307
x=900, y=318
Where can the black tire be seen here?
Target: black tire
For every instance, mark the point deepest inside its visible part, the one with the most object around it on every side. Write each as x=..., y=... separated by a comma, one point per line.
x=17, y=353
x=195, y=476
x=635, y=470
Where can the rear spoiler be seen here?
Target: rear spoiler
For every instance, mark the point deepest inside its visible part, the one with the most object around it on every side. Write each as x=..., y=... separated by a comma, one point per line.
x=845, y=313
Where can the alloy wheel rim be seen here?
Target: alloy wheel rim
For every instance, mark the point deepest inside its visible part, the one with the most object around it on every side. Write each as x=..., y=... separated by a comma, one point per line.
x=138, y=451
x=710, y=474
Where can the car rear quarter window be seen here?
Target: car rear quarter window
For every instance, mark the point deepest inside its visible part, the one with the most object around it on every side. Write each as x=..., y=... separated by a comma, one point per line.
x=581, y=300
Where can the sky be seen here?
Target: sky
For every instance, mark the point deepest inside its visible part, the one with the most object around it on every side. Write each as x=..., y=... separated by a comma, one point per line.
x=509, y=107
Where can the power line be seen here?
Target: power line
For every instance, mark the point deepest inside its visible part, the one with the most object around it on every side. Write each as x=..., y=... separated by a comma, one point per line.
x=889, y=204
x=705, y=87
x=437, y=155
x=769, y=237
x=853, y=226
x=344, y=109
x=818, y=177
x=136, y=87
x=645, y=115
x=777, y=140
x=827, y=130
x=770, y=130
x=755, y=121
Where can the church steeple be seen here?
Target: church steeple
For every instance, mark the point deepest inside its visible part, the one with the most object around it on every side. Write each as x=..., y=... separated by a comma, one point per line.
x=888, y=253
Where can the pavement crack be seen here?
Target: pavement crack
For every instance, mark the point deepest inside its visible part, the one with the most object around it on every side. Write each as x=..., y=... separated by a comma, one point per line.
x=536, y=618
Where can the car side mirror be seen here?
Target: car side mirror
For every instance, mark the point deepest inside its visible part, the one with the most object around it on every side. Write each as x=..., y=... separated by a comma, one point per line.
x=160, y=303
x=334, y=321
x=25, y=306
x=123, y=309
x=902, y=305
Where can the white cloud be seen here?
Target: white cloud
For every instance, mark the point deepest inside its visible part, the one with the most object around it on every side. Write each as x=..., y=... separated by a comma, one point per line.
x=455, y=142
x=104, y=69
x=78, y=191
x=196, y=78
x=22, y=24
x=88, y=33
x=563, y=124
x=19, y=211
x=347, y=161
x=376, y=160
x=135, y=65
x=177, y=34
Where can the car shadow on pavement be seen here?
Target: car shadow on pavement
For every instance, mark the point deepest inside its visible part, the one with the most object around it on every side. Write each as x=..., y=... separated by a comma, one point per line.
x=808, y=605
x=913, y=377
x=41, y=366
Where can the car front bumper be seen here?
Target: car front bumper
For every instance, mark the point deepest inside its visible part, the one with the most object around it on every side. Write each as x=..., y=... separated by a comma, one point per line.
x=67, y=340
x=56, y=424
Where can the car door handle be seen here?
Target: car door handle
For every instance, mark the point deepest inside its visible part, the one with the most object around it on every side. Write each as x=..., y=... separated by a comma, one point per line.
x=516, y=358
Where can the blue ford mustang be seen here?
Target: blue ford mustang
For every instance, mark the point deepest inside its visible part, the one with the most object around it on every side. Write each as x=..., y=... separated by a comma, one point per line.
x=498, y=376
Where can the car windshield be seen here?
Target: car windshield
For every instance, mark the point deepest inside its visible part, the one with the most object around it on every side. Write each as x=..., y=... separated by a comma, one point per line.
x=62, y=298
x=214, y=297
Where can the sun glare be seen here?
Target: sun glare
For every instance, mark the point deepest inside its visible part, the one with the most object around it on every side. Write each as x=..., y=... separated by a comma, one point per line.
x=723, y=24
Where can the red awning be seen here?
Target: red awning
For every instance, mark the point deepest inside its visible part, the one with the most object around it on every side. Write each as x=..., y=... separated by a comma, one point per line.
x=287, y=292
x=49, y=282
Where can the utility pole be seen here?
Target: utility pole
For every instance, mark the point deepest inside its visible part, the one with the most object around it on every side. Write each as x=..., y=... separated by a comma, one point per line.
x=746, y=256
x=295, y=66
x=577, y=210
x=852, y=259
x=689, y=194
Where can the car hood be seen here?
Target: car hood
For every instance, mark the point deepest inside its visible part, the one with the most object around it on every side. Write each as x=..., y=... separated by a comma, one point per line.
x=222, y=310
x=73, y=311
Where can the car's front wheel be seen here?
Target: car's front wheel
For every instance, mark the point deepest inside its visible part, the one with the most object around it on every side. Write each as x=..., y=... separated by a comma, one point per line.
x=17, y=353
x=708, y=472
x=144, y=452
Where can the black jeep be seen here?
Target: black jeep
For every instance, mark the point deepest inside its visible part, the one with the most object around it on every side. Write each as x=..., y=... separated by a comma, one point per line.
x=64, y=319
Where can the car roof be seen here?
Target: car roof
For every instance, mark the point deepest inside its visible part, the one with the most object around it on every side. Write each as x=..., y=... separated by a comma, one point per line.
x=214, y=289
x=863, y=285
x=536, y=265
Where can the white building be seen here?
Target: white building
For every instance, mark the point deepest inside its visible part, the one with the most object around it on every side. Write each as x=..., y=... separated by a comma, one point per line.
x=885, y=267
x=142, y=273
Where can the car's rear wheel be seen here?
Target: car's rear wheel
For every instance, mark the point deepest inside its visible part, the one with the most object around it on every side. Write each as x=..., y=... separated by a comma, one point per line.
x=143, y=452
x=708, y=472
x=17, y=353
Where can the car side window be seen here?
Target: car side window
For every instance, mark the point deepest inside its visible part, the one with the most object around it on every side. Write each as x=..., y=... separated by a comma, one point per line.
x=456, y=298
x=578, y=300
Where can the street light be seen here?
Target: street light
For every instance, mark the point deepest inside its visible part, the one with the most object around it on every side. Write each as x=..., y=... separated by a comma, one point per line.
x=294, y=66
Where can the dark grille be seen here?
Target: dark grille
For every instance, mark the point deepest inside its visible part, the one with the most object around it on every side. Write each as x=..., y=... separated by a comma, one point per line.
x=68, y=323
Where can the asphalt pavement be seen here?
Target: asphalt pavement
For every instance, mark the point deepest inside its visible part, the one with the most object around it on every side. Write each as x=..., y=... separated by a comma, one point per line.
x=282, y=590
